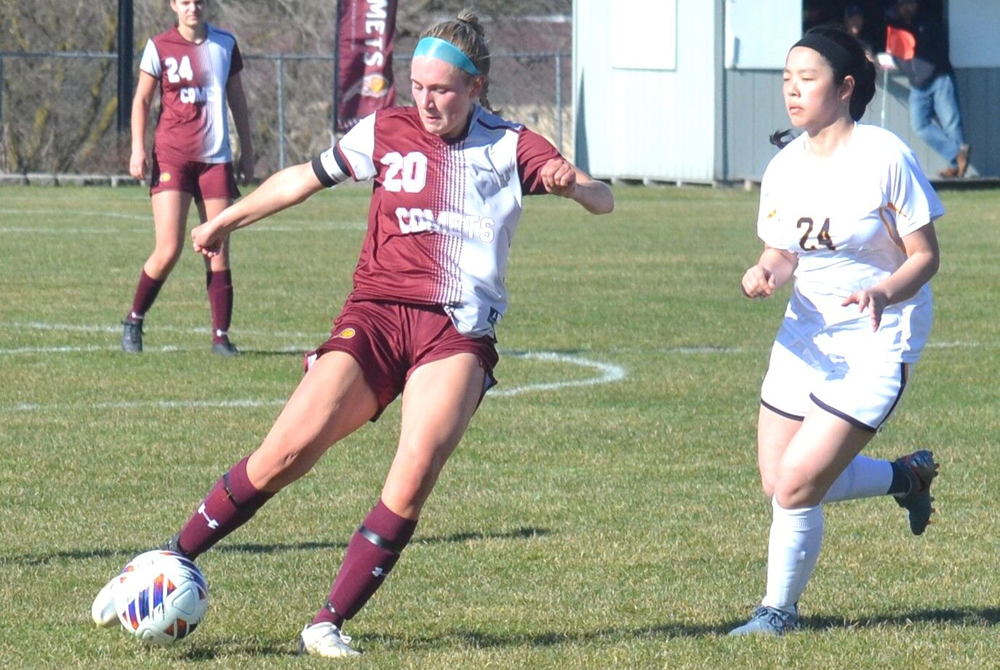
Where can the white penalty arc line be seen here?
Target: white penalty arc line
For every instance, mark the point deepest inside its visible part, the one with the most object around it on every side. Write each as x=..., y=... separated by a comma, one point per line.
x=606, y=374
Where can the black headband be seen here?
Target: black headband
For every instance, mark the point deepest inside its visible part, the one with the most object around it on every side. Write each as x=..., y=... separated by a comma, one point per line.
x=840, y=57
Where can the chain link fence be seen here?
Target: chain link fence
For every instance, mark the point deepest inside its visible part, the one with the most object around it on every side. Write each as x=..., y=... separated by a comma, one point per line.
x=58, y=110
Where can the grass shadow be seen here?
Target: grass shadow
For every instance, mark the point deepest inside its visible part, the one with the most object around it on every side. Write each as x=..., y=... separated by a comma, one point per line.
x=989, y=616
x=523, y=533
x=665, y=631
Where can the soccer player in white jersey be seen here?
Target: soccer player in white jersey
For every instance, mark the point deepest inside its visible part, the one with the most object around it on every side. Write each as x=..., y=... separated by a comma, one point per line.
x=846, y=210
x=449, y=182
x=196, y=68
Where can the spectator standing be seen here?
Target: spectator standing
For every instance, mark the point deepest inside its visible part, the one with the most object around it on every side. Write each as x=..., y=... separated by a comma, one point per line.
x=933, y=92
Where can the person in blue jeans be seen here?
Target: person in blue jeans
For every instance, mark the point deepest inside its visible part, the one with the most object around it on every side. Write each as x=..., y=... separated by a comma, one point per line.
x=933, y=93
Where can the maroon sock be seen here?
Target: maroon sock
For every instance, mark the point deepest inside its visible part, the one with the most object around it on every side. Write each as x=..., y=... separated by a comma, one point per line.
x=220, y=298
x=231, y=503
x=145, y=296
x=374, y=549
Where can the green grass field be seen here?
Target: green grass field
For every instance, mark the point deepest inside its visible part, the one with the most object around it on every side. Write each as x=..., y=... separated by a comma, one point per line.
x=603, y=510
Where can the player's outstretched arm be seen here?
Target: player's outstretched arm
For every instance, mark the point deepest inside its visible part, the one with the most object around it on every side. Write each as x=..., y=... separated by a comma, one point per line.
x=564, y=179
x=281, y=190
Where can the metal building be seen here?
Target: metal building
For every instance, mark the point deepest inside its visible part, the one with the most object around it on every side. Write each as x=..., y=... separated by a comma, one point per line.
x=690, y=90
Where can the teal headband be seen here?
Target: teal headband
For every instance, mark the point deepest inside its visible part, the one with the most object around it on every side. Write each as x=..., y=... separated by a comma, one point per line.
x=433, y=47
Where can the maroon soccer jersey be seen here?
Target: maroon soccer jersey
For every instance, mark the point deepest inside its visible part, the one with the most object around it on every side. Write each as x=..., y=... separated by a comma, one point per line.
x=443, y=212
x=193, y=124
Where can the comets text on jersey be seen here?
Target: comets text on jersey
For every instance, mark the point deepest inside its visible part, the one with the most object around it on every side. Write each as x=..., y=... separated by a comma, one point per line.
x=417, y=220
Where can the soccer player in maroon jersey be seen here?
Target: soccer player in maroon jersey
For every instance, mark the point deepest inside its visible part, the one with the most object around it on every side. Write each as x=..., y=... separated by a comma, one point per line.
x=449, y=179
x=197, y=68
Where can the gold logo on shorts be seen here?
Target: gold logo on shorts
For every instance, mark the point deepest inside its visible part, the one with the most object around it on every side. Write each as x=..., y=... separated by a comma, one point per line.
x=346, y=333
x=165, y=176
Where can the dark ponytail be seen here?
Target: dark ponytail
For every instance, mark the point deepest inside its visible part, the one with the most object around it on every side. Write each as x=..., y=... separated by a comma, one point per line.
x=864, y=90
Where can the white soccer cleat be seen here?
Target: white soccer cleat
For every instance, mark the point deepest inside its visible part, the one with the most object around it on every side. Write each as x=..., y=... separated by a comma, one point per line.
x=325, y=639
x=103, y=610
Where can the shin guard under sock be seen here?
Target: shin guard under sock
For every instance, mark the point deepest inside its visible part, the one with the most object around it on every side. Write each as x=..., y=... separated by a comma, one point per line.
x=792, y=552
x=231, y=503
x=145, y=295
x=219, y=286
x=371, y=554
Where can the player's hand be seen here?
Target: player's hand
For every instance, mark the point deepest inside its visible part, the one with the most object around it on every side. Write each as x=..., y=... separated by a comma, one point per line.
x=245, y=168
x=207, y=239
x=559, y=178
x=138, y=164
x=872, y=299
x=758, y=282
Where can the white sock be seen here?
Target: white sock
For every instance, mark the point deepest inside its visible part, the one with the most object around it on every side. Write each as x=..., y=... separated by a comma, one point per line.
x=796, y=538
x=864, y=478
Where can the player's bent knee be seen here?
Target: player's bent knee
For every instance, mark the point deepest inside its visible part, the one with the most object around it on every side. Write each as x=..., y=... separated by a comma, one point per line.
x=796, y=495
x=767, y=487
x=165, y=258
x=272, y=468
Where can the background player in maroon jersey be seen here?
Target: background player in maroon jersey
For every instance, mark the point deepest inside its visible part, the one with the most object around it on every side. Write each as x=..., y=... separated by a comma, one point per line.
x=197, y=68
x=449, y=177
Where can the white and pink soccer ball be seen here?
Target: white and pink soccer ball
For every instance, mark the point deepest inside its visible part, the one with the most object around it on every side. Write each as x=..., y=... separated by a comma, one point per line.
x=160, y=597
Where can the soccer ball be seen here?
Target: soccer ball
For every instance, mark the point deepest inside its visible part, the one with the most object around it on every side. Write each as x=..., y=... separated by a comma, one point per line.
x=161, y=597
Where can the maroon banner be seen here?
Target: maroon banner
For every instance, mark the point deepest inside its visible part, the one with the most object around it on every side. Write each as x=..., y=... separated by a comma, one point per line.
x=365, y=33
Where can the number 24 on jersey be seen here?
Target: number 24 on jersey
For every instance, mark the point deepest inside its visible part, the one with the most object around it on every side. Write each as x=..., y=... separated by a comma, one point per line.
x=176, y=72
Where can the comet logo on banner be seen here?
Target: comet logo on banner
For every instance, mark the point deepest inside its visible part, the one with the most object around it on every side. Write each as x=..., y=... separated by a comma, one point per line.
x=366, y=31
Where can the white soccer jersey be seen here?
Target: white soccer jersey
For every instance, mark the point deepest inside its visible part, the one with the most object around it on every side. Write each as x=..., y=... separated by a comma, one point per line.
x=443, y=212
x=844, y=218
x=193, y=123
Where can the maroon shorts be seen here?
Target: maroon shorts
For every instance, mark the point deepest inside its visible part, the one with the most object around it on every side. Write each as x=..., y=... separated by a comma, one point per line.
x=204, y=181
x=389, y=340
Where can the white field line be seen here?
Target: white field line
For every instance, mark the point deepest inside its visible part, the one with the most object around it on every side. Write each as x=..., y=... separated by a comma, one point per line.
x=74, y=214
x=159, y=404
x=72, y=328
x=958, y=344
x=606, y=373
x=287, y=225
x=314, y=337
x=69, y=349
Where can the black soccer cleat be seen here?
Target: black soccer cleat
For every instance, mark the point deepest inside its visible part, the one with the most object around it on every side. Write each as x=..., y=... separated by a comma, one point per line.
x=132, y=336
x=921, y=470
x=174, y=545
x=225, y=348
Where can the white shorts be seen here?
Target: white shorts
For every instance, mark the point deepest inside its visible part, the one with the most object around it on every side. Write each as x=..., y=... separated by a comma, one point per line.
x=801, y=378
